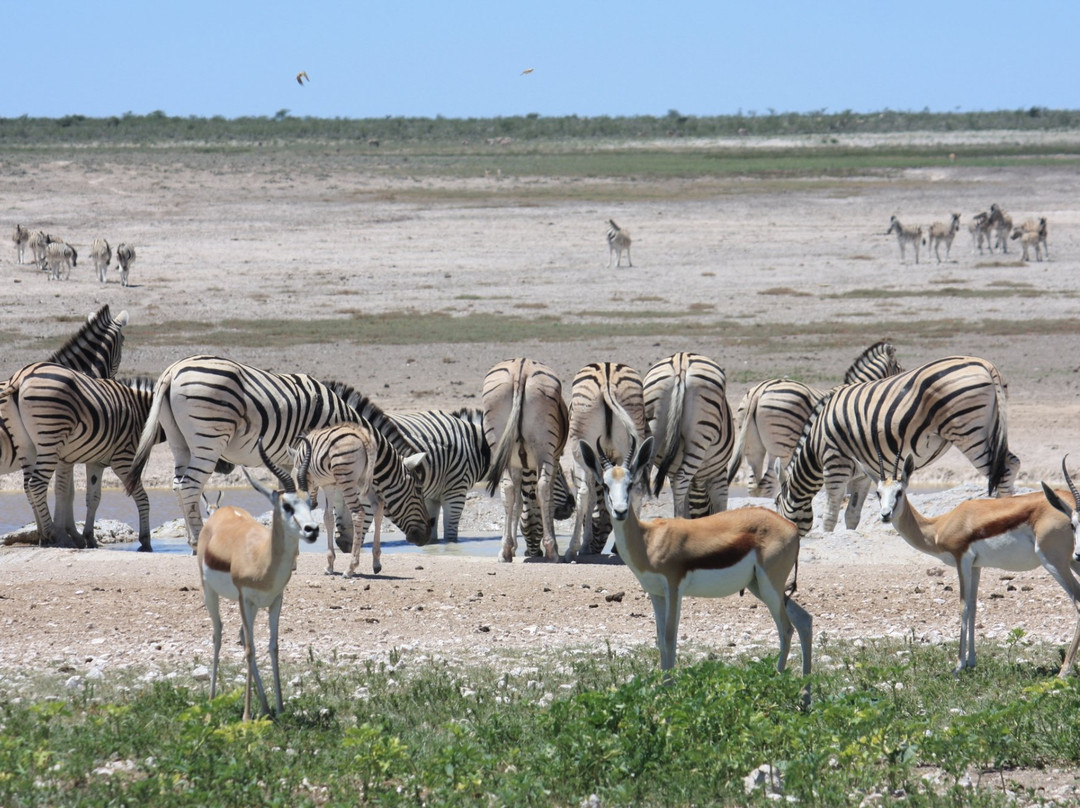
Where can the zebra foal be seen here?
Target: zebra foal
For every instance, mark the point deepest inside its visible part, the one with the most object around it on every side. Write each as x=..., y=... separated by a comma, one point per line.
x=19, y=237
x=941, y=232
x=618, y=239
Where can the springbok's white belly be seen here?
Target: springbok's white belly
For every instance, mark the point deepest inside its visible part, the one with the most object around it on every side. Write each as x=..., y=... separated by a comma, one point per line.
x=1013, y=551
x=223, y=584
x=705, y=583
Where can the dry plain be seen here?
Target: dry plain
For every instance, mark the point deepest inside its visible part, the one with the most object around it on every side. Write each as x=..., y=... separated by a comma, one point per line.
x=308, y=262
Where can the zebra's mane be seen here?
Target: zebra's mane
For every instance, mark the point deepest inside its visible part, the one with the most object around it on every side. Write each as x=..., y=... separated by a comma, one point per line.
x=474, y=415
x=141, y=383
x=869, y=357
x=97, y=326
x=367, y=410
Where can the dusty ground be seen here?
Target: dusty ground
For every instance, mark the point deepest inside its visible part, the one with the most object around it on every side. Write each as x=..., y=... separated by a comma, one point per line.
x=798, y=264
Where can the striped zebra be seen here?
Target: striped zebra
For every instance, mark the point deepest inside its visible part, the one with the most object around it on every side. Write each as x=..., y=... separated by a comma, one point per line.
x=101, y=254
x=215, y=409
x=771, y=416
x=20, y=236
x=905, y=235
x=941, y=232
x=525, y=425
x=39, y=240
x=688, y=414
x=60, y=258
x=1001, y=224
x=55, y=416
x=607, y=409
x=125, y=257
x=356, y=465
x=979, y=227
x=956, y=401
x=618, y=239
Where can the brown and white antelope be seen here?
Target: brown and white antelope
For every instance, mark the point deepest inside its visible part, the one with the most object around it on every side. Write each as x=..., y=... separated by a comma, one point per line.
x=905, y=235
x=1013, y=533
x=245, y=561
x=525, y=424
x=711, y=557
x=941, y=232
x=618, y=239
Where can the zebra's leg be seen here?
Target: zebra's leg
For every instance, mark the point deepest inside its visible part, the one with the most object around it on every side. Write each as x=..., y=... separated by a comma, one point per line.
x=452, y=507
x=583, y=512
x=858, y=488
x=718, y=493
x=328, y=526
x=547, y=516
x=511, y=488
x=837, y=473
x=345, y=536
x=680, y=492
x=142, y=502
x=93, y=499
x=36, y=486
x=64, y=510
x=355, y=503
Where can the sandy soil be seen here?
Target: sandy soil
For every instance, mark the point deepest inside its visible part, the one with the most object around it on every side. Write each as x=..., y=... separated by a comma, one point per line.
x=284, y=237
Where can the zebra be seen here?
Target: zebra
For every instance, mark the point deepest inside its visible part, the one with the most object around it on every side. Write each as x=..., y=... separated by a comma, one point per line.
x=213, y=408
x=941, y=232
x=905, y=235
x=355, y=464
x=60, y=257
x=525, y=425
x=56, y=415
x=38, y=241
x=20, y=236
x=956, y=401
x=1028, y=239
x=101, y=253
x=1038, y=227
x=771, y=416
x=125, y=257
x=607, y=409
x=618, y=239
x=1000, y=224
x=980, y=232
x=688, y=414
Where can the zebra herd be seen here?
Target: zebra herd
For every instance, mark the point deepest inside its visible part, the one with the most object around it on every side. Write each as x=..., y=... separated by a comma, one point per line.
x=56, y=257
x=993, y=228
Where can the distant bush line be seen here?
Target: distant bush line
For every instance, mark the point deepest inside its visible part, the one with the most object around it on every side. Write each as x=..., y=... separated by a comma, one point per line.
x=159, y=128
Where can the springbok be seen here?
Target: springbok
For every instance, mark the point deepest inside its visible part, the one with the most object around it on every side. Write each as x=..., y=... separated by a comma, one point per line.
x=1013, y=533
x=245, y=561
x=711, y=556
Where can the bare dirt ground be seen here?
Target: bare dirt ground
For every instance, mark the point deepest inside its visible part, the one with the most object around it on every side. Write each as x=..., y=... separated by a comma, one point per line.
x=799, y=266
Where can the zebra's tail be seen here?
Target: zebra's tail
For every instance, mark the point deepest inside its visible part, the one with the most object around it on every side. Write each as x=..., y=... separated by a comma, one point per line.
x=748, y=417
x=149, y=436
x=627, y=422
x=11, y=419
x=667, y=444
x=500, y=456
x=999, y=437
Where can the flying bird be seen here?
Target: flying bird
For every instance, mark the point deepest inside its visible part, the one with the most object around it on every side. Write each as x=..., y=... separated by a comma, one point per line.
x=301, y=76
x=527, y=71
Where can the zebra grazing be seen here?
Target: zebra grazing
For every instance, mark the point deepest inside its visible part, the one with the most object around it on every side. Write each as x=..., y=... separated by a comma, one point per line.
x=125, y=257
x=771, y=416
x=55, y=416
x=618, y=239
x=20, y=236
x=101, y=253
x=59, y=260
x=525, y=425
x=607, y=409
x=957, y=401
x=905, y=235
x=980, y=232
x=1001, y=224
x=355, y=465
x=687, y=411
x=215, y=409
x=941, y=232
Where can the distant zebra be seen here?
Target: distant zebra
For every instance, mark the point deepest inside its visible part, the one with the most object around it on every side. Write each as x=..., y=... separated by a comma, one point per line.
x=688, y=415
x=1001, y=224
x=125, y=257
x=1039, y=228
x=618, y=239
x=38, y=241
x=20, y=236
x=525, y=424
x=771, y=416
x=355, y=464
x=56, y=415
x=214, y=409
x=101, y=253
x=1028, y=239
x=941, y=232
x=905, y=235
x=60, y=258
x=980, y=232
x=607, y=409
x=956, y=401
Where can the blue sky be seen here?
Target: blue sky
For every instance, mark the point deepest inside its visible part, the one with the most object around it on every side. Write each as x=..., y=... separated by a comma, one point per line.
x=397, y=57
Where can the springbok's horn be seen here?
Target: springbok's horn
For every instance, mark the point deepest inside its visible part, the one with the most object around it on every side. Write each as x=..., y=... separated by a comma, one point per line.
x=1072, y=486
x=630, y=454
x=881, y=464
x=896, y=467
x=285, y=479
x=605, y=461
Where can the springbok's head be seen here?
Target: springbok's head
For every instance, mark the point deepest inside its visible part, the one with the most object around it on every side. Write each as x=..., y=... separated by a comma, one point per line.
x=1072, y=513
x=891, y=488
x=618, y=481
x=292, y=508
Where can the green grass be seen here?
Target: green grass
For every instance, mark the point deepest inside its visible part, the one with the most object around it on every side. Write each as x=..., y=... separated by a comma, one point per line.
x=551, y=729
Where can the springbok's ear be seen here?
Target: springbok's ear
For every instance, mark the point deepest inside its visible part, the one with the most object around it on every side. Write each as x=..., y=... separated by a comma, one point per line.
x=642, y=461
x=1056, y=501
x=909, y=466
x=591, y=461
